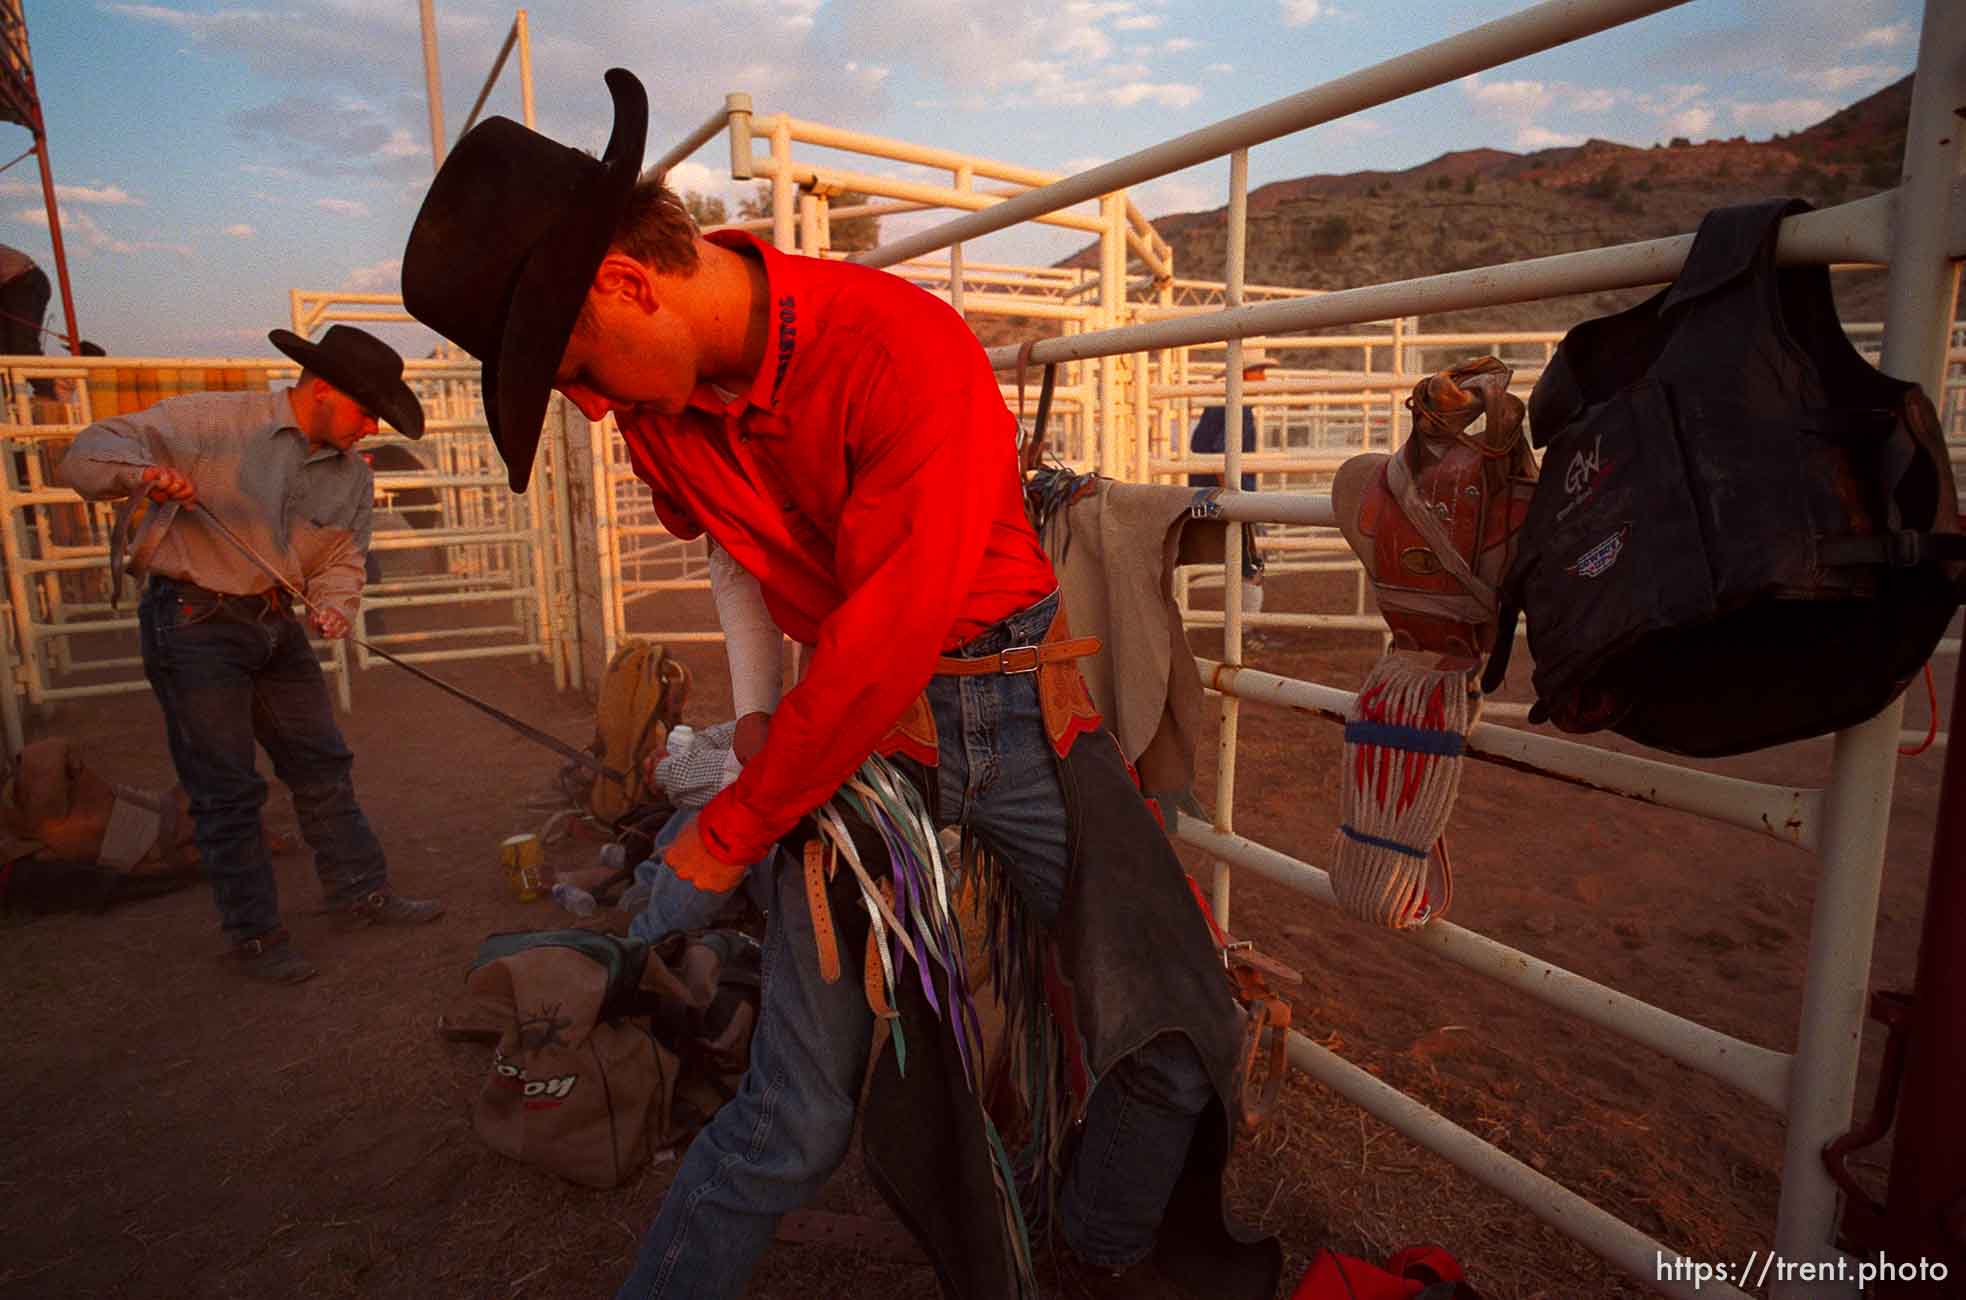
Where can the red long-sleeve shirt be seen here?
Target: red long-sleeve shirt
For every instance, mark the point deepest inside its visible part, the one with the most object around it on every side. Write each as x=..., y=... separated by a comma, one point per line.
x=869, y=481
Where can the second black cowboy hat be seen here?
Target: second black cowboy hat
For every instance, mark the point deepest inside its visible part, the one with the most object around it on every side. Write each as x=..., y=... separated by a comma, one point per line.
x=362, y=366
x=505, y=247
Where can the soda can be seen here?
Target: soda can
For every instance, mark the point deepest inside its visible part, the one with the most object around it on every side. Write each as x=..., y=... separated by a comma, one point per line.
x=525, y=866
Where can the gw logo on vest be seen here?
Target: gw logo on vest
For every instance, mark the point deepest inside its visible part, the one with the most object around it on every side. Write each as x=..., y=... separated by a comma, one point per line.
x=540, y=1094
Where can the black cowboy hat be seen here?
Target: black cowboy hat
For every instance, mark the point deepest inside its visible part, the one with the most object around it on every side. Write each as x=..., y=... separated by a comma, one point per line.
x=505, y=248
x=362, y=366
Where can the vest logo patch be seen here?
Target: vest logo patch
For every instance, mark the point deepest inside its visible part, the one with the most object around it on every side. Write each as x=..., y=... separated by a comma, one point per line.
x=1601, y=557
x=1584, y=475
x=1583, y=467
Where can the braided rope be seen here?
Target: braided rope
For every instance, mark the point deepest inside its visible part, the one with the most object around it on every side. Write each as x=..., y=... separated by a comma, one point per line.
x=1404, y=743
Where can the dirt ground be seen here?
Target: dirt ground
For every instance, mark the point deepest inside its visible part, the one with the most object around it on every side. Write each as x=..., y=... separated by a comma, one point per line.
x=174, y=1131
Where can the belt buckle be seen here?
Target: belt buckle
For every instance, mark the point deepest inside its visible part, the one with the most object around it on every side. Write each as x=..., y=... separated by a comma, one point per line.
x=1004, y=660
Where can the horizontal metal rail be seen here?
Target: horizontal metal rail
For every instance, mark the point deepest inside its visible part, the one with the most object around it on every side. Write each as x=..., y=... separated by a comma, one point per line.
x=1549, y=1200
x=1791, y=814
x=1758, y=1071
x=1855, y=231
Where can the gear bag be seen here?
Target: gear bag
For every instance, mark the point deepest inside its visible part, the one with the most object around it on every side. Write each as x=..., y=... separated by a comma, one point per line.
x=642, y=695
x=573, y=1082
x=1744, y=534
x=606, y=1048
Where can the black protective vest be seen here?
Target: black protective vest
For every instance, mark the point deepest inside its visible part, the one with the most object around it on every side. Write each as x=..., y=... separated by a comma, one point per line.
x=1743, y=534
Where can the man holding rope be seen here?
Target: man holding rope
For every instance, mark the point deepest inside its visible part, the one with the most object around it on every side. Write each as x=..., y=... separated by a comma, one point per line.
x=255, y=496
x=840, y=435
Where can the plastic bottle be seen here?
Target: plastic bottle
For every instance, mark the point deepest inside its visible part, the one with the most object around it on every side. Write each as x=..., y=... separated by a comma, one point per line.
x=614, y=856
x=574, y=899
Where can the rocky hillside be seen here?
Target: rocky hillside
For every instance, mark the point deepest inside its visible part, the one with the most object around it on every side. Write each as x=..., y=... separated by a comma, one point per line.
x=1482, y=206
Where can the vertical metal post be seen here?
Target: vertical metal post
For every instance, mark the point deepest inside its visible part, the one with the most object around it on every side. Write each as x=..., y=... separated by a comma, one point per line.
x=433, y=84
x=809, y=224
x=964, y=175
x=1112, y=293
x=54, y=237
x=737, y=110
x=10, y=684
x=524, y=31
x=1235, y=267
x=781, y=184
x=1925, y=1207
x=1858, y=801
x=607, y=541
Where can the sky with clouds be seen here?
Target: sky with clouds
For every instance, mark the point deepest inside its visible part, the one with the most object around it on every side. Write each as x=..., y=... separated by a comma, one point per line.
x=212, y=156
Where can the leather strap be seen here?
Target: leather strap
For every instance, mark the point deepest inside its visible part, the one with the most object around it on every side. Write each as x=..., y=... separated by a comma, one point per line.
x=874, y=979
x=1264, y=1009
x=1019, y=658
x=149, y=534
x=822, y=913
x=1400, y=479
x=1256, y=1101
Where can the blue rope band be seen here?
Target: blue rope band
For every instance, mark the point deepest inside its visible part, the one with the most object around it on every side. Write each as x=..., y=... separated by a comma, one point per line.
x=1360, y=837
x=1418, y=740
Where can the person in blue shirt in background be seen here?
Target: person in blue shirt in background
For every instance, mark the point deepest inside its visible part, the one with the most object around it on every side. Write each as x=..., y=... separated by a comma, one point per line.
x=1210, y=437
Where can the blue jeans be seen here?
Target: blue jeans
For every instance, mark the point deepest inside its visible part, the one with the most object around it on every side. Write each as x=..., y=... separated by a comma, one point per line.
x=771, y=1148
x=230, y=671
x=675, y=904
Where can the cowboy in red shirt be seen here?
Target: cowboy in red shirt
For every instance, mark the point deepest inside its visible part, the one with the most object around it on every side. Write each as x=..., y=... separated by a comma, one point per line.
x=839, y=434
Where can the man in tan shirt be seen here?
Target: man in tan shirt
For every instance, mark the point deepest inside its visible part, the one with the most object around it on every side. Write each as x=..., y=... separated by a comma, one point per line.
x=228, y=658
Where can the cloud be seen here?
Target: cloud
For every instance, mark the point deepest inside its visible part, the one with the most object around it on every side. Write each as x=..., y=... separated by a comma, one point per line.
x=1797, y=40
x=1298, y=12
x=1219, y=69
x=1756, y=117
x=343, y=207
x=1513, y=101
x=1669, y=98
x=1599, y=100
x=240, y=230
x=1891, y=34
x=1536, y=137
x=1167, y=95
x=108, y=196
x=1843, y=77
x=1173, y=194
x=339, y=135
x=376, y=277
x=1693, y=123
x=331, y=41
x=401, y=144
x=1020, y=52
x=797, y=15
x=1354, y=127
x=82, y=231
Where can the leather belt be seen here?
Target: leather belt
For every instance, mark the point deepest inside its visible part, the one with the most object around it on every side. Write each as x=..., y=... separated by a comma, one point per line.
x=272, y=598
x=1016, y=659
